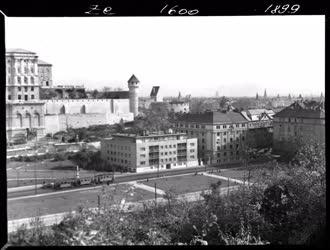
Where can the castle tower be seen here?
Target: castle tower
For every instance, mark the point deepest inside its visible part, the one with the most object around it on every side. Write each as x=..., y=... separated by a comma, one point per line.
x=133, y=85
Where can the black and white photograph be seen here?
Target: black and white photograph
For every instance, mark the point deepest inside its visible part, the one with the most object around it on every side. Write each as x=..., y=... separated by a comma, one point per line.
x=165, y=129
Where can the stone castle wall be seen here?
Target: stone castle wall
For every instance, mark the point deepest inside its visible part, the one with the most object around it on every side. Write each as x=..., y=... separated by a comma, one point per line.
x=85, y=106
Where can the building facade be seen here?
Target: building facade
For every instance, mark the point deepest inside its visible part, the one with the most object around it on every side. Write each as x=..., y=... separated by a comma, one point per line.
x=302, y=120
x=153, y=152
x=26, y=113
x=178, y=106
x=221, y=135
x=24, y=110
x=45, y=74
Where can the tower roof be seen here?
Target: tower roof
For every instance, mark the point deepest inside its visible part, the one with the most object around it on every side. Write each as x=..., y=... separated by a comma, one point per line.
x=154, y=91
x=133, y=79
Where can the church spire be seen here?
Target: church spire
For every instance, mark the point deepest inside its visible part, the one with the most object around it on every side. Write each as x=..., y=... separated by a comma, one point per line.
x=265, y=94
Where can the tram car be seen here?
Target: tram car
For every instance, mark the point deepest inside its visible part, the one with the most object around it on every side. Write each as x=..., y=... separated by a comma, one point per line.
x=83, y=181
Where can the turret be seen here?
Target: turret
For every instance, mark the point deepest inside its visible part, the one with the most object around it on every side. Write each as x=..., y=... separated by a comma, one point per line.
x=133, y=86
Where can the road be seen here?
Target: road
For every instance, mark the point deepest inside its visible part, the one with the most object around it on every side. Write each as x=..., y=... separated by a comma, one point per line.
x=120, y=178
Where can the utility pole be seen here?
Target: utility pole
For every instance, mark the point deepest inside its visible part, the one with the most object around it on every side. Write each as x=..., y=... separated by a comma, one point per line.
x=155, y=193
x=35, y=178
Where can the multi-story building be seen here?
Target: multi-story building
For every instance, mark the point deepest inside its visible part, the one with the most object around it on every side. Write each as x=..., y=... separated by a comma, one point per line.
x=45, y=74
x=259, y=118
x=177, y=106
x=221, y=135
x=150, y=152
x=260, y=127
x=24, y=110
x=302, y=120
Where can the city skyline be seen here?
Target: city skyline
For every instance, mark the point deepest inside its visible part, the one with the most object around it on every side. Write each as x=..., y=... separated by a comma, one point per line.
x=287, y=53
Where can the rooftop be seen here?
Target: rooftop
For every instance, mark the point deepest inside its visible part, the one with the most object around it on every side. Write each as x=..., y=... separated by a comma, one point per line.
x=214, y=117
x=148, y=135
x=21, y=51
x=133, y=79
x=40, y=62
x=117, y=94
x=154, y=91
x=303, y=109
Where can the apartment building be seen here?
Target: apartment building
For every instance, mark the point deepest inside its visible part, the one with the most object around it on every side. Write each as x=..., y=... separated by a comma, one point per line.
x=303, y=120
x=221, y=135
x=150, y=152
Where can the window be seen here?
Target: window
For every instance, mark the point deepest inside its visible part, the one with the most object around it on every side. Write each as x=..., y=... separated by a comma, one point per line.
x=231, y=153
x=19, y=88
x=225, y=153
x=25, y=80
x=19, y=97
x=218, y=148
x=203, y=126
x=174, y=146
x=32, y=97
x=224, y=126
x=218, y=127
x=142, y=162
x=224, y=133
x=243, y=138
x=224, y=147
x=186, y=125
x=26, y=97
x=32, y=88
x=231, y=139
x=19, y=80
x=197, y=126
x=236, y=145
x=143, y=149
x=203, y=141
x=25, y=89
x=9, y=97
x=32, y=80
x=192, y=157
x=192, y=150
x=230, y=146
x=26, y=70
x=237, y=125
x=32, y=70
x=202, y=134
x=191, y=133
x=243, y=125
x=224, y=140
x=191, y=144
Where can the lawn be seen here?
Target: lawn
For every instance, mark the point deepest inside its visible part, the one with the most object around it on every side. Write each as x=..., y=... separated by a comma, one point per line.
x=185, y=183
x=66, y=202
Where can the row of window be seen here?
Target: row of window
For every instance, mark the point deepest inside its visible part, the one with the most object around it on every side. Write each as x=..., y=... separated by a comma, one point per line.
x=19, y=70
x=165, y=160
x=225, y=153
x=118, y=153
x=19, y=97
x=120, y=160
x=26, y=80
x=128, y=148
x=237, y=125
x=225, y=147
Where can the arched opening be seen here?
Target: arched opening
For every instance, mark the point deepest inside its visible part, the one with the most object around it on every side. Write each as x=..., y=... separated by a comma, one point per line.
x=37, y=119
x=20, y=120
x=83, y=109
x=29, y=120
x=62, y=110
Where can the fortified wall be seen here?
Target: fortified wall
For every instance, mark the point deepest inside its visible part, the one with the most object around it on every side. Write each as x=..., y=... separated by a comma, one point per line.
x=77, y=113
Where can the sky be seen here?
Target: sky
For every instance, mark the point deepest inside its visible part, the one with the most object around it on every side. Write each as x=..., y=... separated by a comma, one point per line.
x=236, y=56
